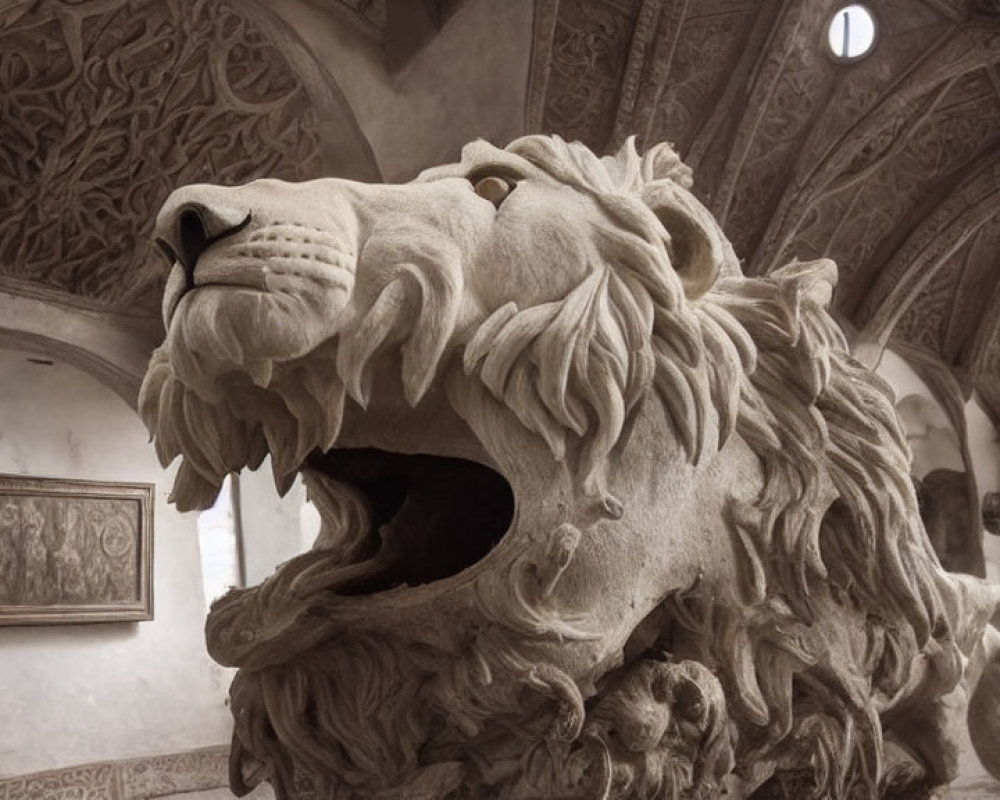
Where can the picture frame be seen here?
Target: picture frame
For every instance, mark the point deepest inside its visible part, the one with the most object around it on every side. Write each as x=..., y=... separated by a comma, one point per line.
x=75, y=551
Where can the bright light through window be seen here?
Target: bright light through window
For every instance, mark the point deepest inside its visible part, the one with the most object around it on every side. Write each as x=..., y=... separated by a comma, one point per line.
x=220, y=549
x=852, y=32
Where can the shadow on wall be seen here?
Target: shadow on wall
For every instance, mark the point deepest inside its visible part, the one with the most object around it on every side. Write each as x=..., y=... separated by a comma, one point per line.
x=944, y=508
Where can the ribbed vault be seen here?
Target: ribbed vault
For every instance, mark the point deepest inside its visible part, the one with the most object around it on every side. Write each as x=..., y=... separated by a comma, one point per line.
x=888, y=165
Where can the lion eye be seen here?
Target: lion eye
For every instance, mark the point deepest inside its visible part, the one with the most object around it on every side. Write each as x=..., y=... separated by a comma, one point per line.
x=493, y=188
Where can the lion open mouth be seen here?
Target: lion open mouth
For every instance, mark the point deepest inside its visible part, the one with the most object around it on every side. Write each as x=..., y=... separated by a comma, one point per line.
x=428, y=517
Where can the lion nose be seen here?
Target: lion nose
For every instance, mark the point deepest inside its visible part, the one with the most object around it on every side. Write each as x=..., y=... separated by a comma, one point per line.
x=185, y=229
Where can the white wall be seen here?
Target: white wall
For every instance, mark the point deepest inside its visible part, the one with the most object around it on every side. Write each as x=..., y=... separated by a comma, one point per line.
x=82, y=693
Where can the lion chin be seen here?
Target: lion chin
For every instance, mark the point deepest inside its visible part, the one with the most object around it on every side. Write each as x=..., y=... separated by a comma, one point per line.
x=600, y=516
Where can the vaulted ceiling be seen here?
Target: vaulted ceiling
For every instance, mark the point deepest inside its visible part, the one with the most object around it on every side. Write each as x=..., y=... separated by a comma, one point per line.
x=889, y=165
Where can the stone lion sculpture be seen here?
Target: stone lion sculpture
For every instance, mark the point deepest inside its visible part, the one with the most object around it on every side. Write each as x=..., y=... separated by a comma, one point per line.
x=601, y=516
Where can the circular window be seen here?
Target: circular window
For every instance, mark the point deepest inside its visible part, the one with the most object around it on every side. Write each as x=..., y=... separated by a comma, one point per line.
x=851, y=33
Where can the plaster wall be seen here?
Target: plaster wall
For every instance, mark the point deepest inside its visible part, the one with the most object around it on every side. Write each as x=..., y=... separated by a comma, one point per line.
x=468, y=82
x=84, y=693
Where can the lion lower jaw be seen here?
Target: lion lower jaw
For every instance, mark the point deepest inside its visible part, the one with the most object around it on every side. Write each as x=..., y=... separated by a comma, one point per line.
x=394, y=526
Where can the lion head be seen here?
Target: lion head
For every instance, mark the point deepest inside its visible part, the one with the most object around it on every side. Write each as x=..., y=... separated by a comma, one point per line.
x=601, y=516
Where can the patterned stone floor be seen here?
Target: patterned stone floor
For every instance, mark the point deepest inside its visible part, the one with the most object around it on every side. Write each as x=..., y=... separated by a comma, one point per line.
x=973, y=784
x=162, y=776
x=260, y=793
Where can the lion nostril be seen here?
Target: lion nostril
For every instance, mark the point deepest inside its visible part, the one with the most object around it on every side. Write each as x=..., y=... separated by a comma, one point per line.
x=192, y=235
x=195, y=228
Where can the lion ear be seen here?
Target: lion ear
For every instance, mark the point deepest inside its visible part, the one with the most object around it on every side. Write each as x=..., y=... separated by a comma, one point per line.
x=698, y=249
x=661, y=162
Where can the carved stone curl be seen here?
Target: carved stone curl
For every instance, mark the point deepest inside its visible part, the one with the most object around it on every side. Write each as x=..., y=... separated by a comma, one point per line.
x=601, y=516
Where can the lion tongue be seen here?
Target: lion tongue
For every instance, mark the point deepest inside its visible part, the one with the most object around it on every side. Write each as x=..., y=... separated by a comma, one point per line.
x=345, y=517
x=434, y=515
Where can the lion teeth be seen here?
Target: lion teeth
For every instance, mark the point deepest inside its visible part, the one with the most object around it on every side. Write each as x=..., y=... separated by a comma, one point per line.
x=256, y=449
x=358, y=345
x=280, y=437
x=334, y=416
x=284, y=484
x=283, y=478
x=328, y=395
x=192, y=491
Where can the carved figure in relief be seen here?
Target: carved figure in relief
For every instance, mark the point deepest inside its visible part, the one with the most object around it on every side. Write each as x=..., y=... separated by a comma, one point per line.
x=601, y=516
x=37, y=586
x=66, y=563
x=10, y=562
x=53, y=551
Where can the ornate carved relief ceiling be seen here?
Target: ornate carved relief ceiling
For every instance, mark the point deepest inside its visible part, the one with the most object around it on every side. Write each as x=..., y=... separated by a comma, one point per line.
x=106, y=106
x=890, y=166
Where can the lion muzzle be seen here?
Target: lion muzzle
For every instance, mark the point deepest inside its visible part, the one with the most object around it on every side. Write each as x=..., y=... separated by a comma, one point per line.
x=186, y=227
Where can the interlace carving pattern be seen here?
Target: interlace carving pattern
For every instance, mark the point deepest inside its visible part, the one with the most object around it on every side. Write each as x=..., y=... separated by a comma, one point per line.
x=105, y=108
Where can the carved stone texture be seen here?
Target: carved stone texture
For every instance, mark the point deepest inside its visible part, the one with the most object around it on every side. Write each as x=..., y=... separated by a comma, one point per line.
x=104, y=108
x=803, y=157
x=175, y=773
x=956, y=306
x=589, y=52
x=131, y=779
x=654, y=37
x=922, y=169
x=91, y=782
x=600, y=516
x=57, y=552
x=74, y=551
x=976, y=315
x=855, y=140
x=925, y=323
x=793, y=83
x=706, y=49
x=976, y=286
x=940, y=241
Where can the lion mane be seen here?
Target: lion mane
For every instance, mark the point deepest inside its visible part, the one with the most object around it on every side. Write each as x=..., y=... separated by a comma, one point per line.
x=765, y=357
x=837, y=618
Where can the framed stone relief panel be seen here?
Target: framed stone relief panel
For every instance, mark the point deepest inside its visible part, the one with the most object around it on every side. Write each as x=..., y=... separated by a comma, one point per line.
x=74, y=551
